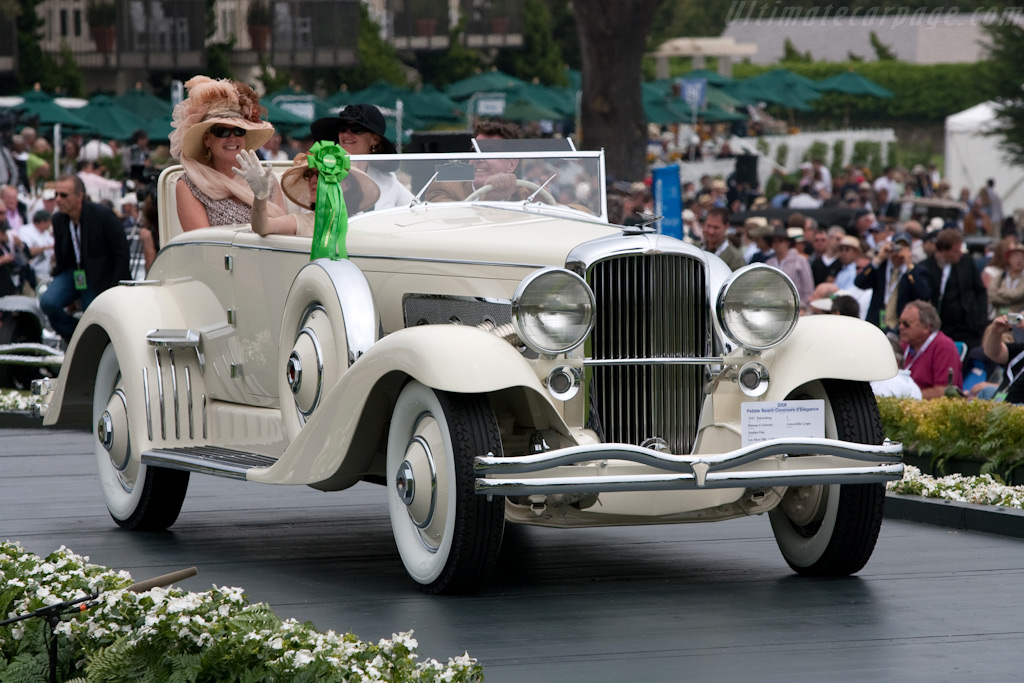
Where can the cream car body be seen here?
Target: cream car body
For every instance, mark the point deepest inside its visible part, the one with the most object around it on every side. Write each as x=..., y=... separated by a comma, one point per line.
x=406, y=365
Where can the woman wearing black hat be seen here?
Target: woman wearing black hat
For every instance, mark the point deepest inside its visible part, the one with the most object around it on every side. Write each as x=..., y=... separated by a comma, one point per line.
x=360, y=129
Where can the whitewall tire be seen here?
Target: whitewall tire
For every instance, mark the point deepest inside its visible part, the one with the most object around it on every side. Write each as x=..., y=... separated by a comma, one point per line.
x=447, y=535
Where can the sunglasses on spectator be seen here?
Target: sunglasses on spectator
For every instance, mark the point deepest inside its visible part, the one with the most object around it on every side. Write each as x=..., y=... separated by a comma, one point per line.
x=223, y=132
x=63, y=195
x=355, y=128
x=310, y=173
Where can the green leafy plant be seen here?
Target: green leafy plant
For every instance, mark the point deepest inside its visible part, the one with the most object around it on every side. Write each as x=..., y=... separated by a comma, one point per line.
x=945, y=429
x=176, y=635
x=781, y=154
x=838, y=151
x=867, y=154
x=817, y=150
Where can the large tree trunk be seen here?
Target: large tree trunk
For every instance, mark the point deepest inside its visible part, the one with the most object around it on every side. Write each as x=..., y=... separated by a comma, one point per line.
x=613, y=36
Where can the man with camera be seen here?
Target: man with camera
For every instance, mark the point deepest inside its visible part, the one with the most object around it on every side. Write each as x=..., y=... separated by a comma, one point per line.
x=1010, y=355
x=892, y=282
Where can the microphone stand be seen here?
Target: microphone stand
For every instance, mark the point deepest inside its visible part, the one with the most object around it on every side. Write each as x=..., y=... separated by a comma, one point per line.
x=52, y=614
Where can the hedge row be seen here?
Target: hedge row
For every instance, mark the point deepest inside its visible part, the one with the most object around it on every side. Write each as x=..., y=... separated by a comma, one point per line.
x=923, y=92
x=944, y=429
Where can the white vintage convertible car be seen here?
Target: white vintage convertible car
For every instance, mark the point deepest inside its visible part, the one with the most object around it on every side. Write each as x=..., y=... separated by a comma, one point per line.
x=487, y=363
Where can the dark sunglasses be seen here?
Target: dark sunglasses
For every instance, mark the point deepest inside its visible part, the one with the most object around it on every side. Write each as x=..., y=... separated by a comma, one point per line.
x=310, y=173
x=63, y=195
x=357, y=129
x=221, y=132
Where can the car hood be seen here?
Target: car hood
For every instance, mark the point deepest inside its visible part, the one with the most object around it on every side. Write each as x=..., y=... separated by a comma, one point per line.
x=473, y=232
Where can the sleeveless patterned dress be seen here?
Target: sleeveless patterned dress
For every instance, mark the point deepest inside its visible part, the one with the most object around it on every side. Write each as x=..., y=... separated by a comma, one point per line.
x=223, y=211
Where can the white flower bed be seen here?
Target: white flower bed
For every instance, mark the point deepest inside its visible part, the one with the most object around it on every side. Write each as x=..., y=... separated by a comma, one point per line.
x=12, y=399
x=172, y=634
x=982, y=490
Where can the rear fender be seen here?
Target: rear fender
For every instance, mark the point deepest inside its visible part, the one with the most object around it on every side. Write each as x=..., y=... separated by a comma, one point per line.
x=121, y=316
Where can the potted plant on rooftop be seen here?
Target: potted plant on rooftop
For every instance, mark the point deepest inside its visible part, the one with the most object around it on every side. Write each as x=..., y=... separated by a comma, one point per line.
x=102, y=18
x=259, y=19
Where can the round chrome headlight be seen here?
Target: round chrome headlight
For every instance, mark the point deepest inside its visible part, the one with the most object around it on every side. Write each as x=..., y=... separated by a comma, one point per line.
x=553, y=311
x=758, y=307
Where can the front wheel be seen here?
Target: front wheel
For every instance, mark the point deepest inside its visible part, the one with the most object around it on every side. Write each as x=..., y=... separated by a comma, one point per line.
x=138, y=496
x=832, y=530
x=447, y=535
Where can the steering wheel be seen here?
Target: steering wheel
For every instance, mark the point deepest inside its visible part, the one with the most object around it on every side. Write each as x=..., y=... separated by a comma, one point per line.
x=533, y=187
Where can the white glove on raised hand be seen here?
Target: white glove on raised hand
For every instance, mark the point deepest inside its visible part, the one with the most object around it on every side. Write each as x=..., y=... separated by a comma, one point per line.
x=250, y=169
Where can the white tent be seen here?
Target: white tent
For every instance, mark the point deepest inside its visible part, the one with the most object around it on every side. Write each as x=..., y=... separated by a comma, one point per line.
x=972, y=157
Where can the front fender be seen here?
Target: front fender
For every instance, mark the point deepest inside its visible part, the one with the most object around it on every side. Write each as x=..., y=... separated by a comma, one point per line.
x=449, y=358
x=121, y=316
x=829, y=347
x=821, y=347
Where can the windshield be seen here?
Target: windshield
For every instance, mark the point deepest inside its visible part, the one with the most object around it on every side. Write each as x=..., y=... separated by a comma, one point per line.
x=573, y=180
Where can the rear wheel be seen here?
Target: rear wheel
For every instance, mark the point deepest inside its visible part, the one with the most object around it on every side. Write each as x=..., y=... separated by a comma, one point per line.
x=832, y=530
x=447, y=535
x=138, y=496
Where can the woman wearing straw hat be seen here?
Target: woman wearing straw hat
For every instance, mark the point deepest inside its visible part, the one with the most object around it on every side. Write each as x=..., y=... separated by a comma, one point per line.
x=218, y=119
x=361, y=129
x=299, y=185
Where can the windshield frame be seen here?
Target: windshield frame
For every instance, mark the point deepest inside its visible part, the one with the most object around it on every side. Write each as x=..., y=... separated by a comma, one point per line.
x=523, y=157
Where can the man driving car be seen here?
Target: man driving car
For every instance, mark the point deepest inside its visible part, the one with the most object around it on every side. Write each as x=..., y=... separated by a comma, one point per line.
x=500, y=174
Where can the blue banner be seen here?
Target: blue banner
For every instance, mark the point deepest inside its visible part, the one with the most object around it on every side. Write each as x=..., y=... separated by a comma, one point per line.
x=668, y=200
x=693, y=91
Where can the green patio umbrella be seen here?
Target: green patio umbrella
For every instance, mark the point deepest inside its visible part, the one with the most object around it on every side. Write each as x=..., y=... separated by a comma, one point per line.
x=715, y=114
x=304, y=104
x=560, y=100
x=158, y=129
x=488, y=81
x=41, y=106
x=666, y=110
x=340, y=99
x=785, y=85
x=442, y=105
x=144, y=104
x=715, y=94
x=109, y=120
x=282, y=117
x=712, y=77
x=763, y=92
x=852, y=83
x=522, y=108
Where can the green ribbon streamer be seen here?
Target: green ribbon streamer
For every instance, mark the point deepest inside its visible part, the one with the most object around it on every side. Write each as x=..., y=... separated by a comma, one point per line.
x=331, y=215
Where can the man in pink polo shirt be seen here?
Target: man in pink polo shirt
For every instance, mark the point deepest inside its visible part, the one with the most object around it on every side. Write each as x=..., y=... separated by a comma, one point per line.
x=927, y=352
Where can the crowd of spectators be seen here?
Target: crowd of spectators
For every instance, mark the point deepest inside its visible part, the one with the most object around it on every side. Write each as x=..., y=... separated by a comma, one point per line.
x=890, y=263
x=931, y=275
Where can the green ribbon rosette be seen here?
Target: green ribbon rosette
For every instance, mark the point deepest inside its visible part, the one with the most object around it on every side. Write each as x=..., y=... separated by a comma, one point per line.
x=330, y=213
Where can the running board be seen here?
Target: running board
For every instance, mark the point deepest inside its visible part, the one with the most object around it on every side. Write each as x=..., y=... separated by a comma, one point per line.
x=219, y=462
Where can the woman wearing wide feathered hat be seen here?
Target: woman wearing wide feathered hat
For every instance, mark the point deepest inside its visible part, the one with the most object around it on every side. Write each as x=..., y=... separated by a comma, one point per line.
x=218, y=120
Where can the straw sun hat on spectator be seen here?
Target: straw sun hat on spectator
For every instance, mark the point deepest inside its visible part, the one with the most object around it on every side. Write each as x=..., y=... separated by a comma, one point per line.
x=216, y=102
x=851, y=241
x=296, y=187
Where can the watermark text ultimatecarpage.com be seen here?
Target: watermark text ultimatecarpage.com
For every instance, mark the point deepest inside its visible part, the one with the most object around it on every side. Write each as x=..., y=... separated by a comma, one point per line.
x=762, y=12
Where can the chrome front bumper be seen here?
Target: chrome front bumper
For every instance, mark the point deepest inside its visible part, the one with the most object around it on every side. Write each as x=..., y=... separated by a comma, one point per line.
x=624, y=467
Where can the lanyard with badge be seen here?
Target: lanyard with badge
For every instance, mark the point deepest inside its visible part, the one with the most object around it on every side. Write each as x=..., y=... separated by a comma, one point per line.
x=920, y=352
x=1011, y=377
x=76, y=241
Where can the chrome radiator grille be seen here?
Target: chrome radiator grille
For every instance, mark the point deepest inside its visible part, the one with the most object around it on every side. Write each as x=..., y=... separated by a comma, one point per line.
x=650, y=306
